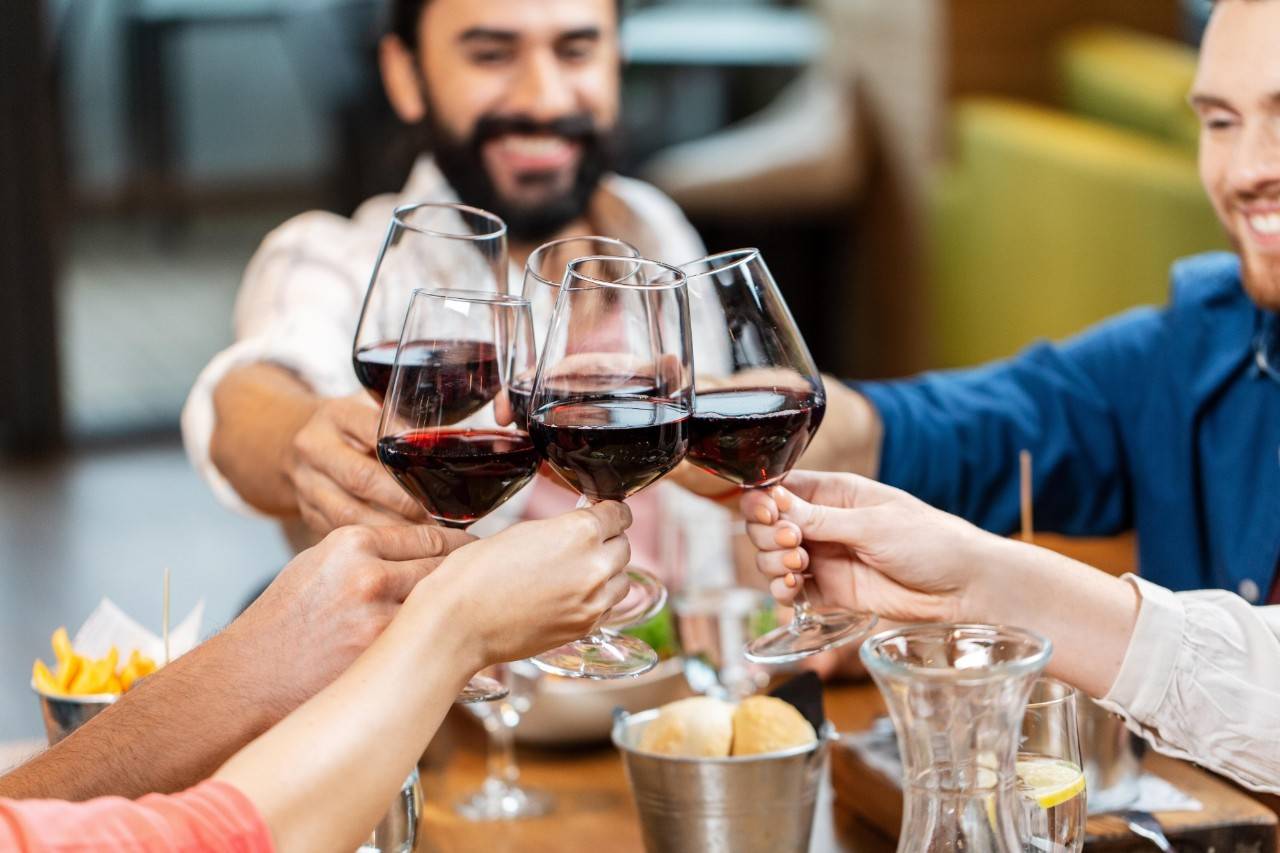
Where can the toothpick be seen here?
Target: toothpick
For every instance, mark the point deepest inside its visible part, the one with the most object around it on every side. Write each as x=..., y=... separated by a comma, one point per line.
x=1024, y=460
x=164, y=617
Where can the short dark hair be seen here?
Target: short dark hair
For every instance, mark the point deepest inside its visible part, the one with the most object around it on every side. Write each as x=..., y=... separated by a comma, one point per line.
x=405, y=15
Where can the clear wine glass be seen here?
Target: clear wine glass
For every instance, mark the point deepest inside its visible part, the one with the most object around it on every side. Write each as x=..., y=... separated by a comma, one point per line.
x=543, y=274
x=501, y=796
x=427, y=247
x=457, y=352
x=713, y=627
x=610, y=408
x=759, y=403
x=1051, y=786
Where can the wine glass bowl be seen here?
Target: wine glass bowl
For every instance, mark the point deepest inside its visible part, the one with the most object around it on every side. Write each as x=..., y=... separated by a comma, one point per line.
x=760, y=401
x=431, y=247
x=610, y=407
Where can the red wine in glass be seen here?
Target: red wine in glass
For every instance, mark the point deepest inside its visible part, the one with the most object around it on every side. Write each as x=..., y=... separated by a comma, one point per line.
x=582, y=387
x=460, y=475
x=753, y=436
x=611, y=448
x=463, y=376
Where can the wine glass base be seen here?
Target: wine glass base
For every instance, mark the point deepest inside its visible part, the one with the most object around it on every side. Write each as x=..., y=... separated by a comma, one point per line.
x=500, y=801
x=824, y=628
x=599, y=658
x=481, y=688
x=644, y=601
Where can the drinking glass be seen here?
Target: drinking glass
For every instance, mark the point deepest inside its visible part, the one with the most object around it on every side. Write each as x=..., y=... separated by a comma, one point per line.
x=1051, y=786
x=759, y=403
x=610, y=408
x=543, y=274
x=501, y=797
x=458, y=350
x=397, y=832
x=713, y=627
x=427, y=247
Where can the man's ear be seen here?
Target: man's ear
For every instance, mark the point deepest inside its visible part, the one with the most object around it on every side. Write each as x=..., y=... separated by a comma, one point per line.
x=400, y=79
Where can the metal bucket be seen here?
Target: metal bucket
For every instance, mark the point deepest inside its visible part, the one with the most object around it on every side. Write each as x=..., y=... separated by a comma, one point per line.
x=722, y=805
x=64, y=714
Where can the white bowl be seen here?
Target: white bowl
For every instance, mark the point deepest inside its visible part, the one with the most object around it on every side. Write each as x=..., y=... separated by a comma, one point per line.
x=573, y=710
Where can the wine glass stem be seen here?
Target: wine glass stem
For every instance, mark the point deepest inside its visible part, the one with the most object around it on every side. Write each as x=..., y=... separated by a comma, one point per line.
x=500, y=761
x=802, y=612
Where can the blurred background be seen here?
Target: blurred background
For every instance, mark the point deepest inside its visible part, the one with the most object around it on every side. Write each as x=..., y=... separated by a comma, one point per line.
x=934, y=182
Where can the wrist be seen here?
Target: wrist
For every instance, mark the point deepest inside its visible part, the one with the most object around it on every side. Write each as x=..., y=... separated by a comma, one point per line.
x=1002, y=571
x=439, y=618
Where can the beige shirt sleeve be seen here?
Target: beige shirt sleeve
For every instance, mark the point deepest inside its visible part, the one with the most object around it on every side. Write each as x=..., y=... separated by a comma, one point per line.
x=1201, y=681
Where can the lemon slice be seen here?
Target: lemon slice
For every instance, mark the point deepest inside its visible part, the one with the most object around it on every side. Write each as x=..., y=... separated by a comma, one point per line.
x=1049, y=781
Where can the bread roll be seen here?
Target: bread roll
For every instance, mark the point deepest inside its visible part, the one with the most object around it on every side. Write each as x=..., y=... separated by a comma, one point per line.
x=766, y=724
x=700, y=727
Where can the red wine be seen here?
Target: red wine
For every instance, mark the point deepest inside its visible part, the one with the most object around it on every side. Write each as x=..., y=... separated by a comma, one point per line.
x=753, y=436
x=460, y=475
x=373, y=367
x=579, y=388
x=449, y=380
x=609, y=449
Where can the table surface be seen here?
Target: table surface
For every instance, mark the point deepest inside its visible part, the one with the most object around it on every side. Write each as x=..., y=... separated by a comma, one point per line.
x=595, y=811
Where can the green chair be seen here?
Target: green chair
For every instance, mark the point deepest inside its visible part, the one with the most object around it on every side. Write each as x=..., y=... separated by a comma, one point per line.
x=1045, y=223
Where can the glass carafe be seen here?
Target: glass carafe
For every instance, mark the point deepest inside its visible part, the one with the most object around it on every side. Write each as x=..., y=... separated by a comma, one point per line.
x=956, y=694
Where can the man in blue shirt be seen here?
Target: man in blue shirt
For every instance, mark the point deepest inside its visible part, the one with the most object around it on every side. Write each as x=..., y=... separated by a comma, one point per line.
x=1163, y=420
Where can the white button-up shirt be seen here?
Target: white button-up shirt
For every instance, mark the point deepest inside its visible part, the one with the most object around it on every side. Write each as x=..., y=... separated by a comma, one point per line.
x=1201, y=681
x=300, y=301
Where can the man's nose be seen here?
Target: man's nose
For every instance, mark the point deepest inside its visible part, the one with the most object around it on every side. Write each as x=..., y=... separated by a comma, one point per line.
x=541, y=91
x=1255, y=166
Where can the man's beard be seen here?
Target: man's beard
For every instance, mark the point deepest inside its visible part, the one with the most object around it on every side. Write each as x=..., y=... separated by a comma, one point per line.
x=462, y=163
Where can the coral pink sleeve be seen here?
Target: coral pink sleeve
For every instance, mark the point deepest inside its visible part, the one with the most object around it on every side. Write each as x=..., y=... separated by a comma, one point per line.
x=213, y=816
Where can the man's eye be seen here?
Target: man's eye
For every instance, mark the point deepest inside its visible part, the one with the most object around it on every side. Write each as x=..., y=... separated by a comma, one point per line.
x=576, y=51
x=491, y=57
x=1219, y=122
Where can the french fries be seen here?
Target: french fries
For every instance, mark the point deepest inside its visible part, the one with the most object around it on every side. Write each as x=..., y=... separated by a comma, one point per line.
x=76, y=675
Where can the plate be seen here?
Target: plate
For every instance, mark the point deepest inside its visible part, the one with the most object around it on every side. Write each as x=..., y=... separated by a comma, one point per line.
x=573, y=711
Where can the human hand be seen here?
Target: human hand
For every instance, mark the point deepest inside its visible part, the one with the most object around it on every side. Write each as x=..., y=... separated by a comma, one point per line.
x=868, y=547
x=326, y=607
x=336, y=477
x=534, y=586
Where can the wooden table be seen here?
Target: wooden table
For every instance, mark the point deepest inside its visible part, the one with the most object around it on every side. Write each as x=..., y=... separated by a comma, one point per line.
x=595, y=811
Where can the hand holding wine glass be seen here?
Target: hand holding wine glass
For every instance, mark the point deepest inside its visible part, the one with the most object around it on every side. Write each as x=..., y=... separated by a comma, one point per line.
x=757, y=409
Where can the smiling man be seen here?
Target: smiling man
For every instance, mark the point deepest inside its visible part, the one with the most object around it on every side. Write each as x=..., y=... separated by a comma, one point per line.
x=1166, y=420
x=519, y=102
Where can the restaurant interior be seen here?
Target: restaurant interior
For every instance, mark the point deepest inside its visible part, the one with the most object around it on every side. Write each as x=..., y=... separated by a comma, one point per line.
x=935, y=185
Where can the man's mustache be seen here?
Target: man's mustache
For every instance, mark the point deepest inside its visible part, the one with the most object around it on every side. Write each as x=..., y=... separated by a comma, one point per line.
x=579, y=127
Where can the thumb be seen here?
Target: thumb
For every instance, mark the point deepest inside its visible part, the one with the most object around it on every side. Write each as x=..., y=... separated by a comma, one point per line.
x=820, y=523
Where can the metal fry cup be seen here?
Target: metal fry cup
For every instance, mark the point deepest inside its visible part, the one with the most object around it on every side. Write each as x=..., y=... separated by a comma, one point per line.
x=747, y=804
x=64, y=714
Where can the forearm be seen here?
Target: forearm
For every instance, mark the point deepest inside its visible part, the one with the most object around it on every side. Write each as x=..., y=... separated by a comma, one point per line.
x=357, y=740
x=172, y=730
x=1087, y=614
x=258, y=410
x=850, y=437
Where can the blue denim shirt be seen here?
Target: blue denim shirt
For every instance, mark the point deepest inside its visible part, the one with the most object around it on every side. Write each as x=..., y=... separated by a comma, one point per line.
x=1166, y=421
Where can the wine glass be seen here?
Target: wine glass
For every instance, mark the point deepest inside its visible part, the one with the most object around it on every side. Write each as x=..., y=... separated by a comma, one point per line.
x=457, y=352
x=1051, y=786
x=543, y=274
x=429, y=247
x=501, y=797
x=610, y=408
x=713, y=627
x=757, y=408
